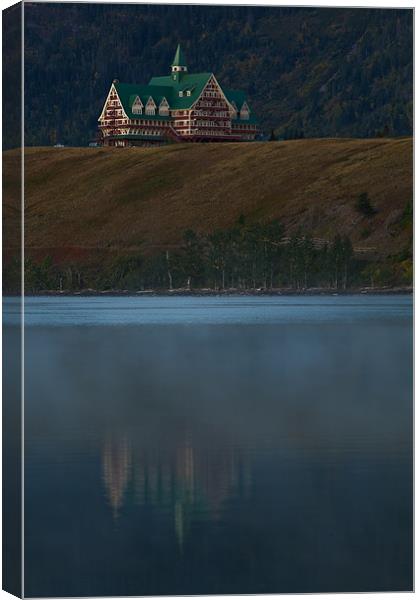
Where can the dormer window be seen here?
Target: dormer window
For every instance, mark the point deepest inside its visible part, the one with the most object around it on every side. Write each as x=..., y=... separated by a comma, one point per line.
x=137, y=107
x=244, y=114
x=180, y=93
x=164, y=107
x=233, y=110
x=150, y=107
x=188, y=92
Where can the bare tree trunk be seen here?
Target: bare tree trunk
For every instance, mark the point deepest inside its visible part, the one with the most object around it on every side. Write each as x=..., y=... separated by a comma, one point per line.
x=169, y=270
x=189, y=283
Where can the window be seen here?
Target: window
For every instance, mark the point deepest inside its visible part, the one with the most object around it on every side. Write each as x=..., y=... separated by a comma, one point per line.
x=150, y=107
x=244, y=114
x=137, y=106
x=164, y=107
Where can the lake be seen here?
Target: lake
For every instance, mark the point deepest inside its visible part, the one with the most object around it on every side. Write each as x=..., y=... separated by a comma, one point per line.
x=217, y=445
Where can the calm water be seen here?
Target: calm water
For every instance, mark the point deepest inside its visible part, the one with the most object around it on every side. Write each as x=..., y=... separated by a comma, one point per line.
x=217, y=445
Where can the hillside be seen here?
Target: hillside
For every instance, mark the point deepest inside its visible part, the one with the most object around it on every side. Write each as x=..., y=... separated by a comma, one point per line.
x=85, y=206
x=320, y=72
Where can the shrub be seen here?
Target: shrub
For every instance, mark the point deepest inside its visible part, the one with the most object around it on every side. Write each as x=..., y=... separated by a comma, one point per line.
x=364, y=206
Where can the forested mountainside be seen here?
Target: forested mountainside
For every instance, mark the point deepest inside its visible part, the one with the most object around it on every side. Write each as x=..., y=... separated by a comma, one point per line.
x=311, y=72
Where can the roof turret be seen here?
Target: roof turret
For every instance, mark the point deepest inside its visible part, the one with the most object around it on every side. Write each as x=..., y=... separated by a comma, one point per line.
x=179, y=65
x=179, y=59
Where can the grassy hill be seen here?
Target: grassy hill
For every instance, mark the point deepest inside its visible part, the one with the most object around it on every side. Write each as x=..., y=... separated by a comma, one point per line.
x=85, y=205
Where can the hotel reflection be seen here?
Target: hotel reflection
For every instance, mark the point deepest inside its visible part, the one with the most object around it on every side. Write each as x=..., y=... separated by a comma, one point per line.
x=187, y=478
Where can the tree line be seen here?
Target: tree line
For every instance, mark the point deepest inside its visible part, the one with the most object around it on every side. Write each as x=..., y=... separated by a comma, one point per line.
x=247, y=256
x=254, y=257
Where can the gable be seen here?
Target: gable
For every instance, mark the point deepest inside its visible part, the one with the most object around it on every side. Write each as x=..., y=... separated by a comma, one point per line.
x=136, y=105
x=212, y=89
x=112, y=97
x=244, y=113
x=164, y=107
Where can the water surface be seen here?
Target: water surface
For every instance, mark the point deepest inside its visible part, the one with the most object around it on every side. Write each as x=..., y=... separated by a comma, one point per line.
x=217, y=445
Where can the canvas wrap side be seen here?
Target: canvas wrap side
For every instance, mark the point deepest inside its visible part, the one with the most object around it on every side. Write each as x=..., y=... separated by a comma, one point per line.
x=12, y=23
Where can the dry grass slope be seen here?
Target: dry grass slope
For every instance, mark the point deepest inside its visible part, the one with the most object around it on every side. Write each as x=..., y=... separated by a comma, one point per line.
x=86, y=202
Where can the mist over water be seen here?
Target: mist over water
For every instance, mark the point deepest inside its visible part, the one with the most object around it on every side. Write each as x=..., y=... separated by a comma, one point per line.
x=223, y=445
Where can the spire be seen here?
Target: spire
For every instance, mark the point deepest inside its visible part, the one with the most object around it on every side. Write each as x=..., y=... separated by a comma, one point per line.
x=179, y=59
x=179, y=65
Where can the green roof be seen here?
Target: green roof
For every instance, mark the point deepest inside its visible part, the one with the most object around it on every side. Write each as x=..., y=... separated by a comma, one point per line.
x=128, y=92
x=193, y=83
x=236, y=96
x=179, y=58
x=169, y=88
x=163, y=87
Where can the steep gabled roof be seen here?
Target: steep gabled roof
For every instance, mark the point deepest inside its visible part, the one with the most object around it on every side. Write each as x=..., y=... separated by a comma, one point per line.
x=194, y=83
x=127, y=93
x=133, y=98
x=236, y=96
x=239, y=97
x=166, y=87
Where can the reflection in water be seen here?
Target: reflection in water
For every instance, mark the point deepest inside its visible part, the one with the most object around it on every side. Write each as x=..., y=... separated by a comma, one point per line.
x=184, y=488
x=189, y=480
x=116, y=462
x=207, y=459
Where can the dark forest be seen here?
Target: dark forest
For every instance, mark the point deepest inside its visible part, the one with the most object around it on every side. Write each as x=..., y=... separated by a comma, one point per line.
x=308, y=72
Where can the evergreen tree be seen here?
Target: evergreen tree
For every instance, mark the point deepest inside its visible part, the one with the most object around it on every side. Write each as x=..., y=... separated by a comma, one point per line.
x=364, y=206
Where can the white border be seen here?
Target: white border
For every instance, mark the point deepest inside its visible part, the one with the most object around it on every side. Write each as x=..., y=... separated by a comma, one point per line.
x=22, y=466
x=302, y=3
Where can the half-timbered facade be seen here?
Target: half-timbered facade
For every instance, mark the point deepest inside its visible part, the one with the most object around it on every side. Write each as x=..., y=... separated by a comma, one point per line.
x=178, y=107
